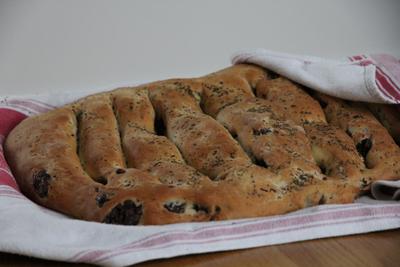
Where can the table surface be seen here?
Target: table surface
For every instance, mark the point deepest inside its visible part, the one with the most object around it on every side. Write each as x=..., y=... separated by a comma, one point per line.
x=372, y=249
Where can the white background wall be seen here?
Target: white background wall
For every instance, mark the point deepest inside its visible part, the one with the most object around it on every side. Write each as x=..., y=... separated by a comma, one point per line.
x=74, y=45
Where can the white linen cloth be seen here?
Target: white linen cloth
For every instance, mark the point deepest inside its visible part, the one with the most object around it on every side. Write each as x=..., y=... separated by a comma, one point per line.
x=368, y=78
x=28, y=229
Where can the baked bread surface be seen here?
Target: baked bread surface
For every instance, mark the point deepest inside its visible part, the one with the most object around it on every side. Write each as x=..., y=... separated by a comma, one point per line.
x=237, y=143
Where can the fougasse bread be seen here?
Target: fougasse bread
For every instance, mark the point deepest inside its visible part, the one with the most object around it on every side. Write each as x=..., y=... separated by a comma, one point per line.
x=238, y=143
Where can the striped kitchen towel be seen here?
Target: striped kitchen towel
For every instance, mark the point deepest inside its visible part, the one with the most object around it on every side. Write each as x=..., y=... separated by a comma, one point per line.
x=367, y=78
x=29, y=229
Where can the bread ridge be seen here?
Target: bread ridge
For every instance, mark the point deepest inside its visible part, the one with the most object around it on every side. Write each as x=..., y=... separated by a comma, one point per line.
x=236, y=143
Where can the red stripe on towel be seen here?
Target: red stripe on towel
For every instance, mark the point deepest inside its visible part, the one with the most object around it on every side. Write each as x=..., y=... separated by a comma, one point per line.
x=269, y=224
x=388, y=86
x=8, y=120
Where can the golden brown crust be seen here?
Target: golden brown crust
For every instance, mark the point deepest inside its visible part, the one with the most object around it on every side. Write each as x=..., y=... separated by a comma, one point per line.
x=373, y=142
x=99, y=142
x=133, y=109
x=233, y=144
x=272, y=143
x=228, y=86
x=288, y=97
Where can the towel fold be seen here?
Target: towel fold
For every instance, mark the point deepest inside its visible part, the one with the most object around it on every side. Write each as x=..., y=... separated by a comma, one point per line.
x=367, y=78
x=386, y=190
